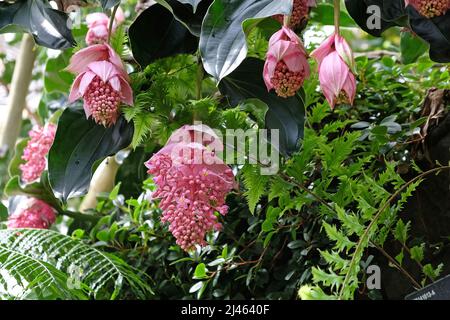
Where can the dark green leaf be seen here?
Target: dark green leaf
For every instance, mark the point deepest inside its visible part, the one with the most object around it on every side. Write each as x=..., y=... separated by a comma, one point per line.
x=286, y=115
x=48, y=26
x=156, y=34
x=78, y=144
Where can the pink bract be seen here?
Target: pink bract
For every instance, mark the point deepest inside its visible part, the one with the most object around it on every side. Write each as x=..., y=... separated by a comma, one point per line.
x=336, y=67
x=98, y=52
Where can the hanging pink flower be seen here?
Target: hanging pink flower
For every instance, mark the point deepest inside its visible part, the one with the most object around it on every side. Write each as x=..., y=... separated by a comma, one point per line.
x=430, y=8
x=98, y=24
x=192, y=184
x=286, y=66
x=32, y=213
x=103, y=87
x=300, y=11
x=34, y=154
x=336, y=67
x=98, y=52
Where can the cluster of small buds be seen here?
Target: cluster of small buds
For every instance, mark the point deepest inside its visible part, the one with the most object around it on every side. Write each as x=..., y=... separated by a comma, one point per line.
x=300, y=12
x=430, y=8
x=34, y=154
x=190, y=193
x=103, y=101
x=285, y=82
x=32, y=213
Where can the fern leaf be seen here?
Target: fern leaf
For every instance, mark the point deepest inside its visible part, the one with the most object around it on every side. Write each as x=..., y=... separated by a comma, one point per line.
x=255, y=185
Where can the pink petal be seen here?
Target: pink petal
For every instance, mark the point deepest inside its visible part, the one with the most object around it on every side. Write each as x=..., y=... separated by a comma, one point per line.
x=87, y=109
x=104, y=69
x=75, y=89
x=350, y=87
x=127, y=92
x=81, y=59
x=324, y=49
x=333, y=73
x=86, y=81
x=96, y=18
x=345, y=52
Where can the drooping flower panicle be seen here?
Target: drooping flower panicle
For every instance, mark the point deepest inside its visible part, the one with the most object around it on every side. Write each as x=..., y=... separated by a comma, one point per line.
x=430, y=8
x=300, y=11
x=34, y=154
x=32, y=213
x=101, y=81
x=336, y=70
x=192, y=185
x=286, y=66
x=103, y=88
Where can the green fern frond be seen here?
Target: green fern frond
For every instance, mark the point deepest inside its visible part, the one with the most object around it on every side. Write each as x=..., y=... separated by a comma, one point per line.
x=45, y=263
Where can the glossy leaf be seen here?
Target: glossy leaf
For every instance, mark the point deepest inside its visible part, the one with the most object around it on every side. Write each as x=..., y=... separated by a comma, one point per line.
x=287, y=115
x=156, y=34
x=223, y=41
x=48, y=26
x=78, y=144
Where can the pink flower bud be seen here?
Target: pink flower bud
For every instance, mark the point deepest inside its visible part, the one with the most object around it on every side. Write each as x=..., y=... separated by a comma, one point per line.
x=430, y=8
x=32, y=213
x=34, y=154
x=286, y=66
x=336, y=67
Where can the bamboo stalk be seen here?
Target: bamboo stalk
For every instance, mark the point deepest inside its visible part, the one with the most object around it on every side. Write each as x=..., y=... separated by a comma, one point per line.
x=23, y=70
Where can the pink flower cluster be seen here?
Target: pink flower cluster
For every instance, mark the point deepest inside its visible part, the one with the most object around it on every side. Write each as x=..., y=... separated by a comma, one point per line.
x=286, y=66
x=430, y=8
x=300, y=12
x=101, y=81
x=32, y=213
x=98, y=24
x=336, y=67
x=34, y=154
x=192, y=184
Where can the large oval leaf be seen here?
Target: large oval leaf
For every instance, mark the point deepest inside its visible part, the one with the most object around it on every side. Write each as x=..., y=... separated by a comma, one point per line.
x=157, y=34
x=48, y=26
x=78, y=144
x=222, y=40
x=286, y=115
x=435, y=31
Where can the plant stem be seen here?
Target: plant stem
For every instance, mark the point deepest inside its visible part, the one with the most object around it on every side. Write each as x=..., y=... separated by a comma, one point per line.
x=111, y=21
x=286, y=20
x=397, y=265
x=337, y=13
x=365, y=236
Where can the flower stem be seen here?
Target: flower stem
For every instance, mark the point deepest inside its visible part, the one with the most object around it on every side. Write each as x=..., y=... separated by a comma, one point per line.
x=286, y=20
x=337, y=14
x=111, y=22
